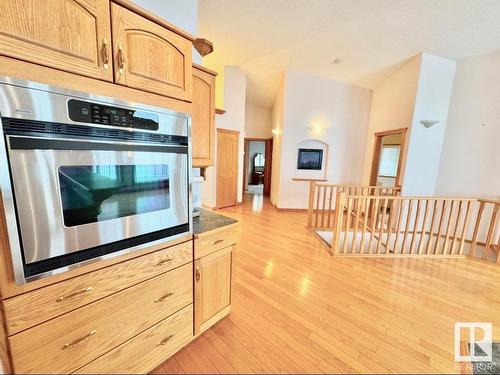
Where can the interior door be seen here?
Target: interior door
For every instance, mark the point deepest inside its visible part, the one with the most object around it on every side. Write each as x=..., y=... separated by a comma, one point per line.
x=227, y=167
x=150, y=57
x=71, y=35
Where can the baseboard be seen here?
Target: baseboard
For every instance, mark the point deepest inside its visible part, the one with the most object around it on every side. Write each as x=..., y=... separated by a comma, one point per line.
x=280, y=209
x=208, y=207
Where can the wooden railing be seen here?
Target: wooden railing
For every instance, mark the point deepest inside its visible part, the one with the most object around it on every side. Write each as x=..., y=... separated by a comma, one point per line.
x=323, y=197
x=486, y=234
x=377, y=225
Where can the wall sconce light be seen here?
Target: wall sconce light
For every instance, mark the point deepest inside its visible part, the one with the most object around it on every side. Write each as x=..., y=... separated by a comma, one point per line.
x=276, y=131
x=429, y=123
x=316, y=127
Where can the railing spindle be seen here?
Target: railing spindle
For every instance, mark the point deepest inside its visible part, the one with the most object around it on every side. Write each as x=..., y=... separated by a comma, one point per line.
x=424, y=223
x=330, y=196
x=384, y=212
x=443, y=207
x=464, y=229
x=452, y=251
x=446, y=238
x=415, y=226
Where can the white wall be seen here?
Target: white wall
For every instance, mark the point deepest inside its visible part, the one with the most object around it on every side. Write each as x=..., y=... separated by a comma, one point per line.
x=278, y=115
x=392, y=107
x=470, y=160
x=181, y=13
x=257, y=121
x=233, y=119
x=343, y=110
x=425, y=144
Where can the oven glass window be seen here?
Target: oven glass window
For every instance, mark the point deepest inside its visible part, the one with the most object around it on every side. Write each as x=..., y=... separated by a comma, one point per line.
x=102, y=192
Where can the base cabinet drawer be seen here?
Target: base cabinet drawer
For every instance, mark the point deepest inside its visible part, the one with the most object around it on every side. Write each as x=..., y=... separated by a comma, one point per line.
x=60, y=298
x=146, y=351
x=211, y=242
x=67, y=343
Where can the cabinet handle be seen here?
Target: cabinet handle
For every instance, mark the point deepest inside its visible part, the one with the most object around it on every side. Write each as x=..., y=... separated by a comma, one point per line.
x=216, y=242
x=161, y=299
x=198, y=274
x=121, y=59
x=74, y=295
x=163, y=262
x=80, y=340
x=166, y=339
x=105, y=56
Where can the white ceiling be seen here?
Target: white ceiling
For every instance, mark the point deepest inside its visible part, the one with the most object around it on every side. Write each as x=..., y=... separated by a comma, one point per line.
x=372, y=37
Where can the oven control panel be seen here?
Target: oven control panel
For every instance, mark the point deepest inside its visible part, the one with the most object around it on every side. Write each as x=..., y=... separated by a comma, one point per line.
x=96, y=113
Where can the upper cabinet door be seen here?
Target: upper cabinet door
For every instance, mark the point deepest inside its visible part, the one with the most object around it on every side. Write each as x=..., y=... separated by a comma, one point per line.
x=203, y=118
x=150, y=57
x=71, y=35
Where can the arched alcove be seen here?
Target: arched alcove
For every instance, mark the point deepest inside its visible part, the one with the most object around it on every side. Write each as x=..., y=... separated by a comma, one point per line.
x=312, y=159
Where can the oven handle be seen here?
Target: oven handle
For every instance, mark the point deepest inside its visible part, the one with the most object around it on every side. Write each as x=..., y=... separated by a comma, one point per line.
x=38, y=143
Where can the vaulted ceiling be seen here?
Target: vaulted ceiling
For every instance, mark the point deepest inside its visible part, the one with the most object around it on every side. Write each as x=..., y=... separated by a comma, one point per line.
x=371, y=37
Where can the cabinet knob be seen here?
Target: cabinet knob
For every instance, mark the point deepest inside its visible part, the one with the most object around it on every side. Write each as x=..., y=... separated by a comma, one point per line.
x=198, y=274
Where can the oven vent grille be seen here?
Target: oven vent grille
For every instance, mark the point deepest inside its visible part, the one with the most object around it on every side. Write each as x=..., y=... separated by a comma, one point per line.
x=13, y=125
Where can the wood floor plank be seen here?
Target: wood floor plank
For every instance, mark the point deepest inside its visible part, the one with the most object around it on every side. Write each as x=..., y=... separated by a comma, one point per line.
x=298, y=309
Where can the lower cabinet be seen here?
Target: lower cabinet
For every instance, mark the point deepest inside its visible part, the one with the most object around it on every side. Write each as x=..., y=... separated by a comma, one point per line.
x=213, y=287
x=71, y=341
x=149, y=349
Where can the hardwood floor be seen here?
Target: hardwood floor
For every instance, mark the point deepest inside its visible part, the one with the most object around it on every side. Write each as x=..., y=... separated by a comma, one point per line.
x=297, y=309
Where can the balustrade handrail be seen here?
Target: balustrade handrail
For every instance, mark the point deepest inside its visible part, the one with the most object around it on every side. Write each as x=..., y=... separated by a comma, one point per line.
x=429, y=226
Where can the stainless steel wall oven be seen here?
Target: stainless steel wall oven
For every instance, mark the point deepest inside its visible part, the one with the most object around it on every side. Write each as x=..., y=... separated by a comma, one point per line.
x=85, y=177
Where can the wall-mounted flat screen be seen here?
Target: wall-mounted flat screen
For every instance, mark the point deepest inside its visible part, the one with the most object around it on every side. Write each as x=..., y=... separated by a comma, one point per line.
x=310, y=158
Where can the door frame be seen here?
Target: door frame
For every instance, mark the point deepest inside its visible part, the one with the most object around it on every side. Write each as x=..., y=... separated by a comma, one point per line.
x=268, y=164
x=377, y=148
x=220, y=130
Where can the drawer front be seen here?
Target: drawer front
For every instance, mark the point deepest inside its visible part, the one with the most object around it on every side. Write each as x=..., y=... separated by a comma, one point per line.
x=67, y=343
x=210, y=243
x=57, y=299
x=146, y=351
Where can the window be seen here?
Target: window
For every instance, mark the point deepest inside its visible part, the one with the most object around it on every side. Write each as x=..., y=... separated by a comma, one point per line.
x=96, y=193
x=389, y=159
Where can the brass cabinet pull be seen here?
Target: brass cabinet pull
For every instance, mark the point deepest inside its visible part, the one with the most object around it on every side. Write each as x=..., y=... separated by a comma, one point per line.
x=105, y=56
x=198, y=274
x=163, y=262
x=121, y=59
x=161, y=299
x=216, y=242
x=80, y=340
x=74, y=295
x=166, y=339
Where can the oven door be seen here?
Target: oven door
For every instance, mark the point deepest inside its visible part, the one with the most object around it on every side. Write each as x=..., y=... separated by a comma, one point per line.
x=78, y=199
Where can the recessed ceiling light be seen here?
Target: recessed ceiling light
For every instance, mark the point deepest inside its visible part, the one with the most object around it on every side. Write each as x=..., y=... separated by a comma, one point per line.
x=337, y=61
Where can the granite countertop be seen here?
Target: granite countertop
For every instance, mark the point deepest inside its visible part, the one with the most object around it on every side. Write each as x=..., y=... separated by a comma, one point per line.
x=209, y=220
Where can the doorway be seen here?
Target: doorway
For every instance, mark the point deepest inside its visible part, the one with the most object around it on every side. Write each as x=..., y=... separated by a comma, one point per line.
x=227, y=167
x=257, y=166
x=387, y=158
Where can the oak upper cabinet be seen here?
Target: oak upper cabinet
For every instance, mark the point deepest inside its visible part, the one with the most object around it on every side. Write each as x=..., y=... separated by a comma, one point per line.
x=71, y=35
x=213, y=285
x=150, y=57
x=203, y=117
